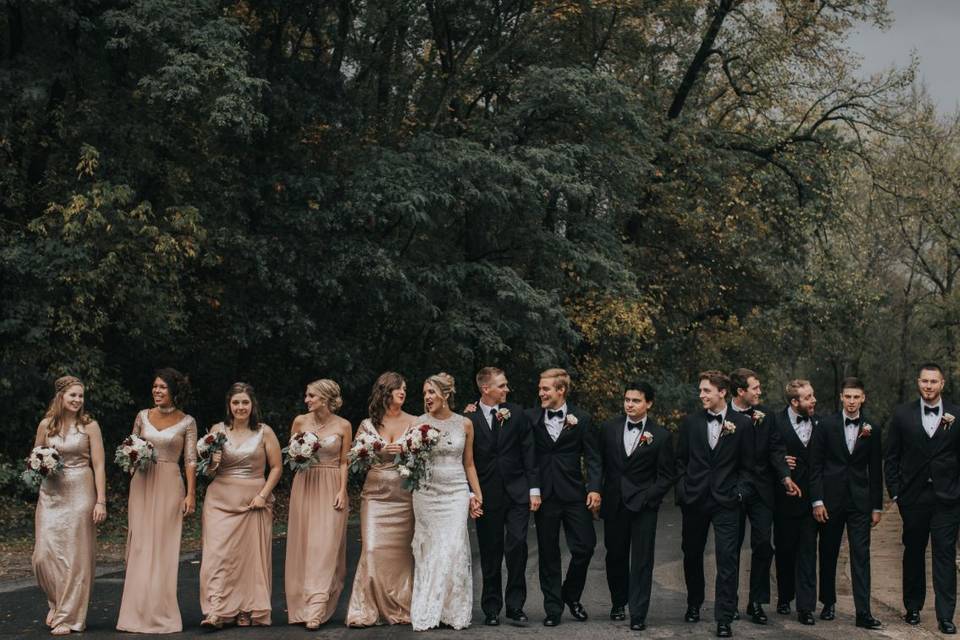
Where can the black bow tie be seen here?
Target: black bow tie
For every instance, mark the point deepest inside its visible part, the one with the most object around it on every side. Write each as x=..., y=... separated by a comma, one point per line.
x=634, y=425
x=711, y=417
x=802, y=419
x=931, y=410
x=554, y=414
x=852, y=421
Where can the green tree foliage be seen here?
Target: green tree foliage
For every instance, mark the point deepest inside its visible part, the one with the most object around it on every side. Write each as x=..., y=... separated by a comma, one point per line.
x=276, y=192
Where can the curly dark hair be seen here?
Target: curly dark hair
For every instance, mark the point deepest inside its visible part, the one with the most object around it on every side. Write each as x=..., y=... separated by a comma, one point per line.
x=381, y=394
x=177, y=384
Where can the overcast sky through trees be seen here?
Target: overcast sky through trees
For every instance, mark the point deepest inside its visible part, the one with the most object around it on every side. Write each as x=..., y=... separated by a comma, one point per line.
x=932, y=28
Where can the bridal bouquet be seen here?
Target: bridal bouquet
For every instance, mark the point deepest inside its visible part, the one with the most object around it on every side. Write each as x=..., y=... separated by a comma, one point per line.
x=134, y=453
x=417, y=446
x=362, y=456
x=302, y=450
x=206, y=447
x=43, y=462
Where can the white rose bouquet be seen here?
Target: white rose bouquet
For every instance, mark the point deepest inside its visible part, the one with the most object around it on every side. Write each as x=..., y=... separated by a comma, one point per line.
x=134, y=454
x=362, y=456
x=417, y=446
x=302, y=450
x=43, y=462
x=206, y=447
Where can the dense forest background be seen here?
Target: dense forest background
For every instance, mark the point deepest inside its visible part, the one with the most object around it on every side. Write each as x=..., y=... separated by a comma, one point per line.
x=276, y=191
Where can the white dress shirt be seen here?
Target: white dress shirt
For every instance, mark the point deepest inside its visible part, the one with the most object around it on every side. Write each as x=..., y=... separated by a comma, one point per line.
x=631, y=437
x=803, y=429
x=555, y=425
x=486, y=412
x=851, y=431
x=931, y=421
x=714, y=427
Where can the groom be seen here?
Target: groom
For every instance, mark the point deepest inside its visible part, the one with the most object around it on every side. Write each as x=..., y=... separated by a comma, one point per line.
x=506, y=467
x=563, y=436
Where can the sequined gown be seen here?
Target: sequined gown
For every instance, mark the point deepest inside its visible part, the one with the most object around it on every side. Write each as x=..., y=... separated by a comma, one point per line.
x=155, y=519
x=64, y=552
x=442, y=578
x=316, y=562
x=236, y=566
x=383, y=583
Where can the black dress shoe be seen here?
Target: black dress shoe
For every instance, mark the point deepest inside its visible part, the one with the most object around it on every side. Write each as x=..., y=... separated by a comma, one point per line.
x=947, y=627
x=805, y=617
x=868, y=622
x=551, y=621
x=517, y=615
x=692, y=614
x=492, y=621
x=912, y=617
x=783, y=608
x=829, y=612
x=577, y=611
x=723, y=630
x=756, y=613
x=638, y=625
x=617, y=613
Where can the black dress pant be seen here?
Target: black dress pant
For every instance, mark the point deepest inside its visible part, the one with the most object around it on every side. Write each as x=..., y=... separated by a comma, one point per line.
x=577, y=523
x=795, y=539
x=857, y=524
x=928, y=519
x=502, y=534
x=761, y=530
x=630, y=538
x=726, y=524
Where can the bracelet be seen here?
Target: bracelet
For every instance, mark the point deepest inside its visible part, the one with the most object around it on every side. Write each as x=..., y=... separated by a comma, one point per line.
x=104, y=503
x=261, y=497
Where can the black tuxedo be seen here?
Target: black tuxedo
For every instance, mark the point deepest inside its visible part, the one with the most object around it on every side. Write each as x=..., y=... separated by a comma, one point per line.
x=634, y=485
x=795, y=530
x=507, y=469
x=923, y=474
x=850, y=485
x=710, y=489
x=765, y=473
x=564, y=494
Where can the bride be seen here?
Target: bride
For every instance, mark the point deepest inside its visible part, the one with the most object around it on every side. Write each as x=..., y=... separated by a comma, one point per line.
x=442, y=578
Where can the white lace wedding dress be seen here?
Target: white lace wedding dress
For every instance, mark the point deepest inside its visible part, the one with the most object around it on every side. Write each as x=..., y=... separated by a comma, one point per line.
x=442, y=578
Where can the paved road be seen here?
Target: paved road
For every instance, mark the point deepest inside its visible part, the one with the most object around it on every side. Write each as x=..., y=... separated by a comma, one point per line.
x=22, y=610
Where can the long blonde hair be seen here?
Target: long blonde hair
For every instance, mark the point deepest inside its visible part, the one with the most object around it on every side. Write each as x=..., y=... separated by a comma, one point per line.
x=55, y=411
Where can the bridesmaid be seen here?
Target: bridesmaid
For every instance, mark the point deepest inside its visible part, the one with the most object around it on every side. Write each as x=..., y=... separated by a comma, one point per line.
x=383, y=582
x=156, y=508
x=235, y=567
x=316, y=563
x=70, y=506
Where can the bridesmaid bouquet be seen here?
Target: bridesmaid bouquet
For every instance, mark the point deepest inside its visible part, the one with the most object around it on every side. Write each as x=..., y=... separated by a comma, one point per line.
x=206, y=447
x=362, y=456
x=134, y=454
x=417, y=445
x=43, y=462
x=302, y=450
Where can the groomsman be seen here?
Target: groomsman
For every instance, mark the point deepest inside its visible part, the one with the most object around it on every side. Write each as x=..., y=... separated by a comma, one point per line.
x=846, y=487
x=506, y=464
x=638, y=470
x=710, y=489
x=563, y=436
x=794, y=529
x=923, y=478
x=767, y=469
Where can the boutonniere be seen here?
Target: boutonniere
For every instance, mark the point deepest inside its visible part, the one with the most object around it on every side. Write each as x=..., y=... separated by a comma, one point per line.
x=727, y=428
x=502, y=415
x=646, y=438
x=947, y=421
x=758, y=416
x=570, y=421
x=866, y=430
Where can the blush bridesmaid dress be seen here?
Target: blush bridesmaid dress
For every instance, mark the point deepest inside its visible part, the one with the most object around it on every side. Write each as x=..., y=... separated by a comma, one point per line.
x=383, y=583
x=155, y=515
x=316, y=562
x=64, y=552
